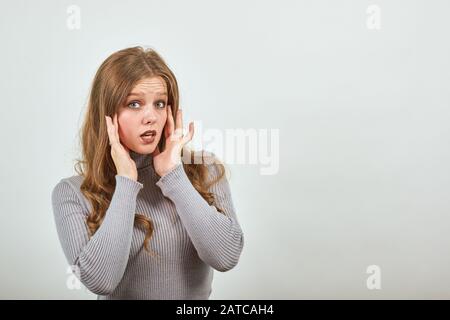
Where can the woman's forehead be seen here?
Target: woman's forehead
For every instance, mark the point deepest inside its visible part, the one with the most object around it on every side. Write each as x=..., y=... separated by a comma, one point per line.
x=153, y=85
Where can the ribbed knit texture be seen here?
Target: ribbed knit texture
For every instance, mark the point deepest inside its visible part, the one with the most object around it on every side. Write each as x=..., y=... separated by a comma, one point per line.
x=190, y=237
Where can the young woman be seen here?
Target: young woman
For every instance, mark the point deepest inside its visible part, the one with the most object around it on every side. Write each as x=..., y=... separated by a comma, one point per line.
x=139, y=221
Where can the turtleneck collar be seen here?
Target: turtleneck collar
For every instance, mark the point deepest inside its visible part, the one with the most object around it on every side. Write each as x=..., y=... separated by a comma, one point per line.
x=142, y=160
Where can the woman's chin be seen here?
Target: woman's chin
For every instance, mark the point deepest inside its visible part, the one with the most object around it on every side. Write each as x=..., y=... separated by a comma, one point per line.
x=146, y=148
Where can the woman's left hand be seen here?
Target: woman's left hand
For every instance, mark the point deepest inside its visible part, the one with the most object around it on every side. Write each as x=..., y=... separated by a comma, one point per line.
x=171, y=156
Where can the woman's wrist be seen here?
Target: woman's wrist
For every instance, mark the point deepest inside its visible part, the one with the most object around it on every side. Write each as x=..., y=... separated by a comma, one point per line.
x=132, y=177
x=166, y=171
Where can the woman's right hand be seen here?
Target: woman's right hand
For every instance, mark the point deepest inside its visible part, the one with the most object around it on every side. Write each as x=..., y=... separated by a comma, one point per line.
x=120, y=154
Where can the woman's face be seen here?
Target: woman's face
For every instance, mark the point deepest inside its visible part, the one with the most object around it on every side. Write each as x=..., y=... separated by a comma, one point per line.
x=145, y=109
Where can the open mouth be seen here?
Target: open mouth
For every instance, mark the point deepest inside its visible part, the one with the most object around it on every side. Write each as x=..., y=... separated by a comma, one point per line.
x=149, y=133
x=148, y=136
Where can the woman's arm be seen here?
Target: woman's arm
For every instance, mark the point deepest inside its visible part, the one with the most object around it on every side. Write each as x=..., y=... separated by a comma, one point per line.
x=218, y=238
x=102, y=259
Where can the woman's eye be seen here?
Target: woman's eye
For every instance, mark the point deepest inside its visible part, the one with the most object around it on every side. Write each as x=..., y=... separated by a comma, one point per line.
x=133, y=103
x=162, y=104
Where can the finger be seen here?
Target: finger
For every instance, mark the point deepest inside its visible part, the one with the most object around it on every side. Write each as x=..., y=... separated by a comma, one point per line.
x=170, y=125
x=116, y=126
x=190, y=134
x=179, y=121
x=112, y=131
x=107, y=123
x=109, y=128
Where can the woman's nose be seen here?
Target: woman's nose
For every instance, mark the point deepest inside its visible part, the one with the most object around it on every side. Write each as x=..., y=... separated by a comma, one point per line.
x=149, y=113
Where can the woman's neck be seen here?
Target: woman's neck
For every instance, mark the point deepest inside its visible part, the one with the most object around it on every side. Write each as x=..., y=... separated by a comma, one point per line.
x=142, y=160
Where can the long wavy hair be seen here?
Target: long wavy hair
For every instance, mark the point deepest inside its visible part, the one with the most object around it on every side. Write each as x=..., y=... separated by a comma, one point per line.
x=115, y=78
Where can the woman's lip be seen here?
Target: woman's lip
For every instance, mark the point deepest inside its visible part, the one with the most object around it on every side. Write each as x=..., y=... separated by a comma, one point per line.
x=148, y=139
x=152, y=132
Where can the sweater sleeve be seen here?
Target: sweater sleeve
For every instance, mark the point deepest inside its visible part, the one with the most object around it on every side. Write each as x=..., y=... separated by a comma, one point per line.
x=102, y=259
x=217, y=237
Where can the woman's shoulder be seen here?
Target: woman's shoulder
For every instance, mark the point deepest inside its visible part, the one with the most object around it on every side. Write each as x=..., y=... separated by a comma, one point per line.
x=74, y=182
x=68, y=189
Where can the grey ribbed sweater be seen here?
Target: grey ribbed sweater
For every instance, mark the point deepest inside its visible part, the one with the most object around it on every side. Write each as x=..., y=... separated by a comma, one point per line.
x=190, y=237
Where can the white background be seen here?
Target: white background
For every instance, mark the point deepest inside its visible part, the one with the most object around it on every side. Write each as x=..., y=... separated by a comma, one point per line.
x=364, y=135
